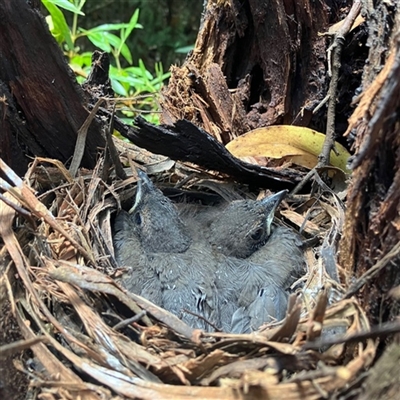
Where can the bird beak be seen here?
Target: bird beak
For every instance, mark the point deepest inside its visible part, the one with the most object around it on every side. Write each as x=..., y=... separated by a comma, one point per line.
x=144, y=184
x=275, y=199
x=271, y=203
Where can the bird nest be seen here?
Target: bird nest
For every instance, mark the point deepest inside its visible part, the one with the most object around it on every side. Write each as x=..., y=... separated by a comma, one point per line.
x=93, y=339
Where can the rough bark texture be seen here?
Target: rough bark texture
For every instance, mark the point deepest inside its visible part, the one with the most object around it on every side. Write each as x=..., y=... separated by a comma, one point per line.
x=383, y=382
x=255, y=63
x=372, y=226
x=41, y=104
x=186, y=142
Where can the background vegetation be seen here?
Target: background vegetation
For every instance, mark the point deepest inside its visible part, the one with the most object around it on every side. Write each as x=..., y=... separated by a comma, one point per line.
x=143, y=37
x=168, y=26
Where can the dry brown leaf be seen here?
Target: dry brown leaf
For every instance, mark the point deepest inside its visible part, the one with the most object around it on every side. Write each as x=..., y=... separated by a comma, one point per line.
x=298, y=220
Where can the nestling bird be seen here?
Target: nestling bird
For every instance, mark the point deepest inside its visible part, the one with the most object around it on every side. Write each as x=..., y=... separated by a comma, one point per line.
x=236, y=229
x=257, y=263
x=168, y=267
x=159, y=226
x=267, y=278
x=141, y=279
x=225, y=264
x=244, y=226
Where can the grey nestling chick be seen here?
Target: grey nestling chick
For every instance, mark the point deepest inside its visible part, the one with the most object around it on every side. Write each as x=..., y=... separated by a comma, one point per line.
x=167, y=267
x=224, y=264
x=268, y=277
x=237, y=229
x=129, y=252
x=159, y=226
x=285, y=249
x=244, y=226
x=258, y=263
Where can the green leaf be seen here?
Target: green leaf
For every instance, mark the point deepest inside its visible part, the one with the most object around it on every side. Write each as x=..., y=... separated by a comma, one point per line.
x=160, y=79
x=131, y=25
x=124, y=50
x=103, y=40
x=80, y=5
x=114, y=40
x=118, y=88
x=98, y=41
x=143, y=69
x=184, y=49
x=127, y=120
x=66, y=5
x=140, y=72
x=60, y=28
x=108, y=27
x=81, y=60
x=130, y=80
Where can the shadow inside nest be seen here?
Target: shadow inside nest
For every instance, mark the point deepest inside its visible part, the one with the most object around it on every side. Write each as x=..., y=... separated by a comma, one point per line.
x=100, y=339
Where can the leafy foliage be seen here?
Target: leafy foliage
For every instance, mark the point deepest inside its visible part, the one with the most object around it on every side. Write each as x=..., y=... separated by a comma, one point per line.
x=171, y=26
x=136, y=84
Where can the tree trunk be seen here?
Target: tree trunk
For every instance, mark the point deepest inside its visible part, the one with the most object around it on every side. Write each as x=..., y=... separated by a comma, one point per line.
x=263, y=63
x=371, y=237
x=255, y=63
x=42, y=106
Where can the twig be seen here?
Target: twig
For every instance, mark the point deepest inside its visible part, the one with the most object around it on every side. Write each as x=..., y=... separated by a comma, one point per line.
x=81, y=140
x=375, y=332
x=20, y=345
x=129, y=321
x=21, y=211
x=337, y=46
x=202, y=318
x=303, y=182
x=111, y=150
x=21, y=192
x=321, y=104
x=336, y=49
x=368, y=275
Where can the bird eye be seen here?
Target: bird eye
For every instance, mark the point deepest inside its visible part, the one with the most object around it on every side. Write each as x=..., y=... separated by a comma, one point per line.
x=137, y=218
x=257, y=234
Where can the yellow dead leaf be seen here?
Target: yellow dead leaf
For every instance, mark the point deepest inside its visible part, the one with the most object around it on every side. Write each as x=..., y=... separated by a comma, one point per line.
x=335, y=27
x=306, y=160
x=290, y=143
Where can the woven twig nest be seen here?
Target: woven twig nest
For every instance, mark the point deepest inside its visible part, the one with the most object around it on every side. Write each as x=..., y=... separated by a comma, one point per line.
x=96, y=340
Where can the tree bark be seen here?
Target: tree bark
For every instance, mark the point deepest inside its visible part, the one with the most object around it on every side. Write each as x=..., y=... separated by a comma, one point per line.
x=255, y=63
x=370, y=244
x=42, y=106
